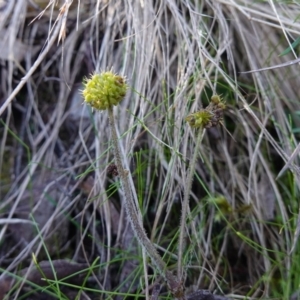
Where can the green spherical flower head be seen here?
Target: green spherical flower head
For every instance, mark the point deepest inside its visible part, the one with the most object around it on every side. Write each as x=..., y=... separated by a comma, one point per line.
x=208, y=117
x=103, y=90
x=199, y=119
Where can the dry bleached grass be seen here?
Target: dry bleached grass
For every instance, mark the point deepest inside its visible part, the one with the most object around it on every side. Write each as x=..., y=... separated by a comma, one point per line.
x=175, y=54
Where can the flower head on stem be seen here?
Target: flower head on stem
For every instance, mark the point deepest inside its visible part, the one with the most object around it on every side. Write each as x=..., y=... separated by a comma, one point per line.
x=200, y=120
x=208, y=117
x=104, y=90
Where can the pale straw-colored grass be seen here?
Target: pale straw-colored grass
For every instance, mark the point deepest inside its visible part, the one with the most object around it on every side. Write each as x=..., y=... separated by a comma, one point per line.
x=175, y=54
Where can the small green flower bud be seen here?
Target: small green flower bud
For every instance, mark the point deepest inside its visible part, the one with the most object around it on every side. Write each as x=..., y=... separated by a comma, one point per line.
x=199, y=119
x=215, y=99
x=217, y=102
x=103, y=90
x=209, y=116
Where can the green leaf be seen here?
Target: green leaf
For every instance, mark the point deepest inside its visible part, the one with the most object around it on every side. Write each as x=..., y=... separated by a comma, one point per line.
x=289, y=49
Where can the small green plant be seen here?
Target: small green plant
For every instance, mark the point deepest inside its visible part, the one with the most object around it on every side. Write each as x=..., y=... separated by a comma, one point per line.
x=103, y=91
x=204, y=118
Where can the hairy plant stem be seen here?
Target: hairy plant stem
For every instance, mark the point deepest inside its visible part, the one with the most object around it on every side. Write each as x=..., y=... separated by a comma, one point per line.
x=185, y=203
x=131, y=210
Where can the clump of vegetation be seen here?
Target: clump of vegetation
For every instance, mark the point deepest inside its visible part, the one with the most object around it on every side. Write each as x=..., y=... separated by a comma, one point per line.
x=104, y=90
x=211, y=185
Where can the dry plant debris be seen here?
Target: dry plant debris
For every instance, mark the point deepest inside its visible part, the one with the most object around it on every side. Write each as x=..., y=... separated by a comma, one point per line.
x=175, y=55
x=44, y=273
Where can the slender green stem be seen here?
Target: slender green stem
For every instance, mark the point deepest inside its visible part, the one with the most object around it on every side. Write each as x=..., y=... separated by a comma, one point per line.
x=185, y=203
x=132, y=215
